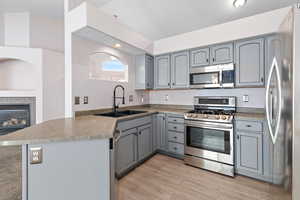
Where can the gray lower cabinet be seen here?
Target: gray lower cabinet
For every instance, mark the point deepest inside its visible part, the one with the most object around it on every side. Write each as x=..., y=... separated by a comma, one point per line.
x=175, y=134
x=253, y=149
x=135, y=143
x=126, y=150
x=180, y=69
x=249, y=59
x=199, y=57
x=162, y=74
x=222, y=53
x=144, y=141
x=144, y=72
x=160, y=132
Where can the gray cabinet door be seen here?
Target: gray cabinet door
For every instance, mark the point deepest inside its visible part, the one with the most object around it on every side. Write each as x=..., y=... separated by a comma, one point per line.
x=161, y=132
x=249, y=153
x=149, y=72
x=126, y=150
x=221, y=54
x=144, y=72
x=199, y=57
x=162, y=72
x=180, y=70
x=273, y=47
x=249, y=61
x=144, y=141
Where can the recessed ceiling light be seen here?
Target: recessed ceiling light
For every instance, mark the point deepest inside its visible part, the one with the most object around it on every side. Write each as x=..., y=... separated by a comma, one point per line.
x=117, y=45
x=239, y=3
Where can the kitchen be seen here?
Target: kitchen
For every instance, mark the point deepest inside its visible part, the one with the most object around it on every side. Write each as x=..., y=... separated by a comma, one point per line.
x=193, y=111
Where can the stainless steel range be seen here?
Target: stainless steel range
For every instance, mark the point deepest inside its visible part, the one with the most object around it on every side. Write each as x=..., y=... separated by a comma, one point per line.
x=209, y=134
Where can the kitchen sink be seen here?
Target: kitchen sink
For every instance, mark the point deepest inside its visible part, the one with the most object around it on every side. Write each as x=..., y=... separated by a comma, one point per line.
x=120, y=113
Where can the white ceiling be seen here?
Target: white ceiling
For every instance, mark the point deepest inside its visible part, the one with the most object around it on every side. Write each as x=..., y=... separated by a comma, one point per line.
x=158, y=19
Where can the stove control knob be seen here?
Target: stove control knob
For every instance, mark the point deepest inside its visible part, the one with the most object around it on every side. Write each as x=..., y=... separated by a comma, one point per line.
x=194, y=115
x=205, y=116
x=217, y=117
x=224, y=117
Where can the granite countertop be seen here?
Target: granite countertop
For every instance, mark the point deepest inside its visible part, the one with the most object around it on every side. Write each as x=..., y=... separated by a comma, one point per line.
x=251, y=113
x=86, y=126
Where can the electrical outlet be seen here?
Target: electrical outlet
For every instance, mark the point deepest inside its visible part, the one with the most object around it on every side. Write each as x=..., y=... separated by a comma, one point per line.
x=77, y=100
x=166, y=97
x=131, y=98
x=245, y=98
x=85, y=100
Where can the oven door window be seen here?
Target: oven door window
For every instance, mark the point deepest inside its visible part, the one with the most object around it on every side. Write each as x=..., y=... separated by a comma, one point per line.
x=205, y=78
x=208, y=139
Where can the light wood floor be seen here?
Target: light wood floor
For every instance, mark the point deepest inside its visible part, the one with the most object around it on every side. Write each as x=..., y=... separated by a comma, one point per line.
x=165, y=178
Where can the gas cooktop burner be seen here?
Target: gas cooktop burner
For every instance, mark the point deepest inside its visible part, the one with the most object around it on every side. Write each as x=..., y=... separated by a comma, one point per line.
x=212, y=111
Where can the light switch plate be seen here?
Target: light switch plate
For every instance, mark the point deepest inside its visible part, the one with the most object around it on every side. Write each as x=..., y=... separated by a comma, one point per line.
x=85, y=100
x=36, y=155
x=245, y=98
x=77, y=100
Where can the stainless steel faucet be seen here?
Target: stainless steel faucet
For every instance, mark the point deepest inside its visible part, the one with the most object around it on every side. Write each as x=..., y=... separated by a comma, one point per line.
x=115, y=106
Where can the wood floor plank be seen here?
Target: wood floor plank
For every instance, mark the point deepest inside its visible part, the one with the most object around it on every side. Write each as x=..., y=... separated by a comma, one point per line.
x=166, y=178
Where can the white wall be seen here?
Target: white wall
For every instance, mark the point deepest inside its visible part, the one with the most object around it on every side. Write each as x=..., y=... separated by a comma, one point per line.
x=17, y=29
x=46, y=33
x=185, y=97
x=246, y=27
x=17, y=75
x=53, y=85
x=1, y=29
x=100, y=92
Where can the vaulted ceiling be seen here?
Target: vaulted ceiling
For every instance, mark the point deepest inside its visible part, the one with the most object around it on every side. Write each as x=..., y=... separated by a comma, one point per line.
x=158, y=19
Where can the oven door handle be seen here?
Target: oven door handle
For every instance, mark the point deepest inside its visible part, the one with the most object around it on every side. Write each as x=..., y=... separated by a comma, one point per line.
x=209, y=125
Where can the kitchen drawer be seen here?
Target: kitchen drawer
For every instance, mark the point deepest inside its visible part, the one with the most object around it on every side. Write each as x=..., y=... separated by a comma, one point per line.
x=176, y=137
x=254, y=126
x=176, y=148
x=173, y=115
x=175, y=120
x=129, y=124
x=176, y=127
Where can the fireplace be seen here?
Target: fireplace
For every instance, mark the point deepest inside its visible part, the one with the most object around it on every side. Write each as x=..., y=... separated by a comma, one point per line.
x=14, y=117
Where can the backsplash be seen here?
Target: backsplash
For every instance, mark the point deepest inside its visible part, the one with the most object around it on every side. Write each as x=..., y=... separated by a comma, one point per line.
x=185, y=97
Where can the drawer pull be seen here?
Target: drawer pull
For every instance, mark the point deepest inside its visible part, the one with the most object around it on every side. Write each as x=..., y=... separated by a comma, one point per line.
x=175, y=137
x=175, y=148
x=175, y=127
x=175, y=120
x=248, y=126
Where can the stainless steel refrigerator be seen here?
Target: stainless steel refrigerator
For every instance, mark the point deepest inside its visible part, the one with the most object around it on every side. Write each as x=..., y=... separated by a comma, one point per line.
x=279, y=108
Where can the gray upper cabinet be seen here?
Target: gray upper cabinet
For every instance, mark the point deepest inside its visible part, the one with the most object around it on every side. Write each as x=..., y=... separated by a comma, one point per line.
x=273, y=47
x=126, y=150
x=249, y=59
x=144, y=141
x=144, y=72
x=221, y=54
x=180, y=70
x=199, y=57
x=162, y=74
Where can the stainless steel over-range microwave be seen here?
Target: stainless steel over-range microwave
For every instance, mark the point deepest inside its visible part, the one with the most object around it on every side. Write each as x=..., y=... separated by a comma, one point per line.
x=217, y=76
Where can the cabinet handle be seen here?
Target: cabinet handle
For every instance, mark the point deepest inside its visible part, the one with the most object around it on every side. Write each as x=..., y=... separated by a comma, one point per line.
x=207, y=60
x=175, y=148
x=248, y=126
x=175, y=127
x=173, y=84
x=213, y=59
x=175, y=137
x=175, y=120
x=238, y=137
x=262, y=79
x=168, y=84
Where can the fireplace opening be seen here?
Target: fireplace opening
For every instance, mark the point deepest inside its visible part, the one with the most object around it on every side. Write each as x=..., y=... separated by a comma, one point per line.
x=13, y=118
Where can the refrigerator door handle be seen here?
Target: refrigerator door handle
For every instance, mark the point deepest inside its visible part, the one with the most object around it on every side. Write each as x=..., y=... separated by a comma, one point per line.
x=275, y=67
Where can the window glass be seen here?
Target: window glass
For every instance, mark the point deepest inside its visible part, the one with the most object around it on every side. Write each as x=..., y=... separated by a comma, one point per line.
x=104, y=66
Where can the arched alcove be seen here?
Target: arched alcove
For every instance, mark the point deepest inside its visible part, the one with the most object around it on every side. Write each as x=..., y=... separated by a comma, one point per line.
x=17, y=74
